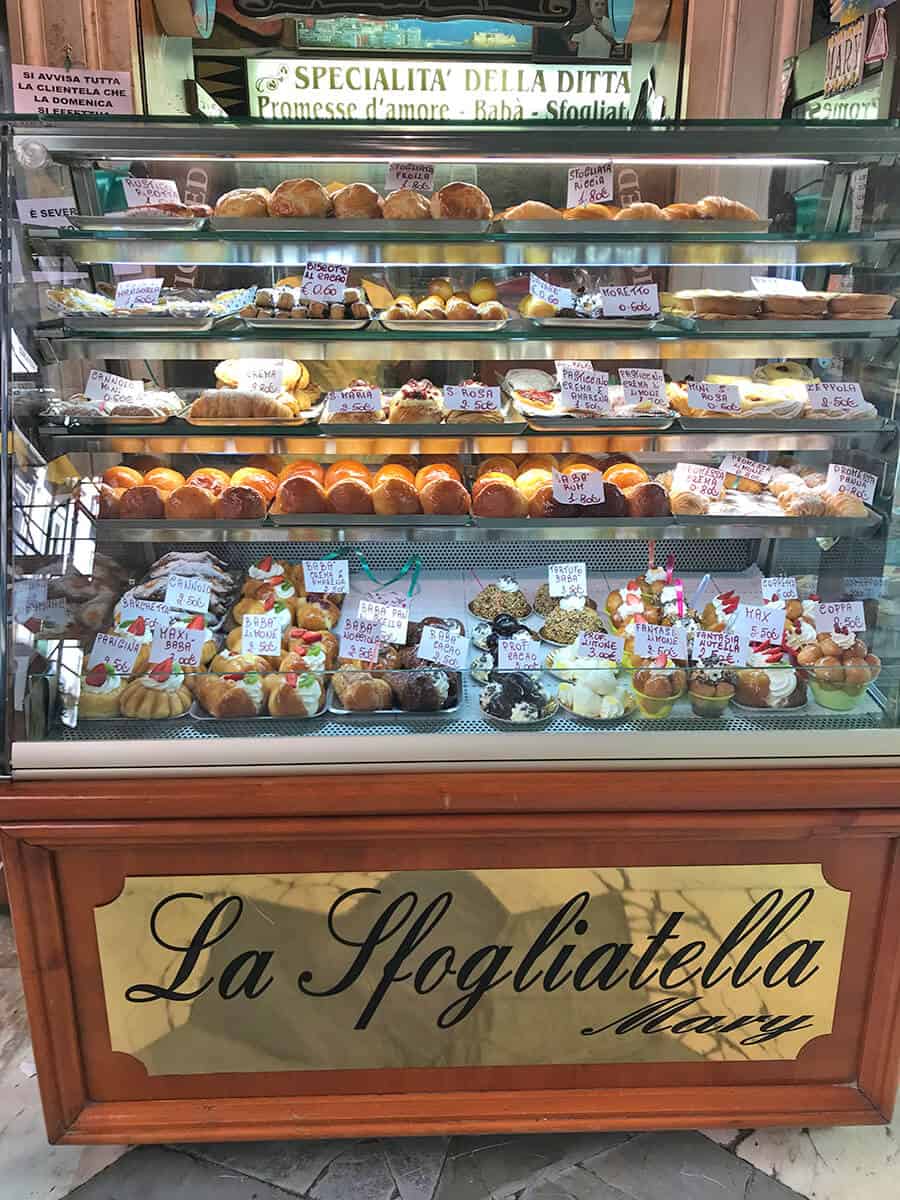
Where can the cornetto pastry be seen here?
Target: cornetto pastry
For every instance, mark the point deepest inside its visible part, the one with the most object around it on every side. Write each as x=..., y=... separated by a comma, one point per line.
x=233, y=403
x=641, y=212
x=161, y=693
x=461, y=202
x=504, y=596
x=682, y=212
x=690, y=504
x=357, y=201
x=299, y=198
x=532, y=210
x=406, y=205
x=418, y=401
x=293, y=694
x=858, y=306
x=101, y=689
x=243, y=202
x=843, y=504
x=233, y=696
x=720, y=208
x=591, y=212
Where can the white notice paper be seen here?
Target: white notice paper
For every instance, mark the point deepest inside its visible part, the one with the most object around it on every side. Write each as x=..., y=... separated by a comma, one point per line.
x=137, y=291
x=186, y=594
x=590, y=184
x=326, y=282
x=150, y=191
x=417, y=176
x=261, y=633
x=640, y=300
x=101, y=385
x=443, y=646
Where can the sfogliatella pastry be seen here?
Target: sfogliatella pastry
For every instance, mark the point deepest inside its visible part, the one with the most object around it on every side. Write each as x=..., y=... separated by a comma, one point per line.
x=299, y=198
x=356, y=201
x=161, y=693
x=232, y=696
x=504, y=596
x=461, y=202
x=514, y=696
x=243, y=202
x=294, y=694
x=406, y=205
x=101, y=689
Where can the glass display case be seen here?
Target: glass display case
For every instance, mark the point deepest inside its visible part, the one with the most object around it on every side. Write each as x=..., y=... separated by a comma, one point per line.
x=347, y=448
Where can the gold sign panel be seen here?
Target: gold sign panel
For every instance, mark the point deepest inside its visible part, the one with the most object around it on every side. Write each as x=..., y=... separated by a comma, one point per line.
x=305, y=972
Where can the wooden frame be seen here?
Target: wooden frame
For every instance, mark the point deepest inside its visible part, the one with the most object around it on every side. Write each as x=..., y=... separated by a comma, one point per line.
x=850, y=818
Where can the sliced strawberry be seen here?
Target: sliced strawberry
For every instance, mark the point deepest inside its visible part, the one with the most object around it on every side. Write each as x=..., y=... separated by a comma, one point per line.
x=265, y=565
x=269, y=602
x=311, y=635
x=276, y=579
x=299, y=650
x=660, y=660
x=196, y=622
x=96, y=677
x=235, y=678
x=163, y=670
x=137, y=627
x=291, y=678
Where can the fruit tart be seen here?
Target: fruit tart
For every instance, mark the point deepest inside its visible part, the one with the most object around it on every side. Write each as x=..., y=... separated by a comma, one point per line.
x=294, y=693
x=235, y=695
x=161, y=693
x=101, y=689
x=840, y=668
x=771, y=679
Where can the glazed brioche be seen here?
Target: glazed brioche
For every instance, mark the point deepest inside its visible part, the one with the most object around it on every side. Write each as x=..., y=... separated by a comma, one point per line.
x=300, y=494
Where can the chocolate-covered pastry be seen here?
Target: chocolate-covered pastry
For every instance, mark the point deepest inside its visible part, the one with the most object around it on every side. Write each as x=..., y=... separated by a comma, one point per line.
x=426, y=690
x=515, y=696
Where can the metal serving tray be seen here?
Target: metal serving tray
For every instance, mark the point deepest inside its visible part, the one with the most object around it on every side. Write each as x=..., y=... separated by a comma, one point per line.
x=309, y=417
x=568, y=422
x=336, y=710
x=611, y=229
x=327, y=226
x=622, y=324
x=198, y=713
x=826, y=327
x=438, y=327
x=300, y=326
x=366, y=520
x=138, y=324
x=120, y=223
x=721, y=424
x=70, y=420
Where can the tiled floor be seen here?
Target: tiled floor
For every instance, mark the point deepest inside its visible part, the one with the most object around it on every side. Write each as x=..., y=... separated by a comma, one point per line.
x=832, y=1164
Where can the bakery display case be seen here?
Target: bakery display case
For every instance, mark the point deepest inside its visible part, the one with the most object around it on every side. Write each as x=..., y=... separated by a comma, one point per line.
x=351, y=449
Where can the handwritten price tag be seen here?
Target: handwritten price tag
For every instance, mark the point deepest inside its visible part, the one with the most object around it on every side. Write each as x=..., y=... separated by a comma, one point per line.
x=178, y=642
x=324, y=281
x=841, y=478
x=418, y=176
x=444, y=647
x=119, y=652
x=643, y=386
x=150, y=191
x=653, y=640
x=705, y=481
x=137, y=291
x=759, y=624
x=714, y=397
x=101, y=385
x=863, y=587
x=559, y=297
x=591, y=184
x=779, y=587
x=725, y=647
x=567, y=579
x=359, y=639
x=746, y=468
x=260, y=374
x=640, y=300
x=583, y=487
x=353, y=400
x=261, y=633
x=472, y=398
x=29, y=595
x=186, y=594
x=840, y=614
x=515, y=654
x=835, y=397
x=391, y=618
x=155, y=613
x=767, y=286
x=600, y=645
x=585, y=391
x=326, y=575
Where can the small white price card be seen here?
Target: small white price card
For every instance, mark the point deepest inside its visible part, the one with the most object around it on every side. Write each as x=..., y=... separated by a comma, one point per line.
x=705, y=481
x=29, y=595
x=567, y=579
x=418, y=176
x=772, y=286
x=120, y=652
x=585, y=390
x=590, y=184
x=575, y=364
x=103, y=386
x=444, y=647
x=641, y=385
x=714, y=397
x=559, y=297
x=186, y=594
x=727, y=647
x=180, y=643
x=261, y=633
x=650, y=641
x=838, y=615
x=326, y=575
x=54, y=615
x=53, y=211
x=324, y=281
x=638, y=300
x=583, y=487
x=746, y=468
x=863, y=587
x=150, y=191
x=841, y=478
x=359, y=639
x=779, y=587
x=757, y=623
x=155, y=613
x=261, y=374
x=472, y=397
x=132, y=292
x=353, y=400
x=515, y=654
x=600, y=645
x=390, y=614
x=835, y=397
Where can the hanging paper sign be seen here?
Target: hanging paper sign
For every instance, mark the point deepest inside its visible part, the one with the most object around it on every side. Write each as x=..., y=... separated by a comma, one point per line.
x=600, y=645
x=518, y=654
x=583, y=487
x=41, y=89
x=591, y=184
x=443, y=646
x=746, y=468
x=29, y=595
x=120, y=653
x=101, y=385
x=835, y=397
x=839, y=615
x=585, y=391
x=714, y=397
x=841, y=478
x=641, y=385
x=472, y=398
x=261, y=633
x=757, y=623
x=778, y=587
x=181, y=644
x=772, y=286
x=879, y=42
x=139, y=192
x=326, y=575
x=417, y=176
x=726, y=647
x=133, y=292
x=187, y=594
x=637, y=300
x=390, y=618
x=567, y=579
x=52, y=211
x=704, y=481
x=359, y=639
x=559, y=297
x=651, y=641
x=353, y=400
x=326, y=282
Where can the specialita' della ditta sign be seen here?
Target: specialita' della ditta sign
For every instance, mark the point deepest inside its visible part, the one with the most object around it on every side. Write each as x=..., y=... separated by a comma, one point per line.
x=350, y=89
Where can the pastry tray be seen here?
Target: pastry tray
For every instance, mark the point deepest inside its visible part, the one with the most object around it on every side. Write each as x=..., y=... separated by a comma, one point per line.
x=308, y=417
x=574, y=716
x=623, y=324
x=430, y=328
x=198, y=713
x=612, y=230
x=269, y=324
x=70, y=420
x=100, y=323
x=559, y=420
x=333, y=707
x=328, y=226
x=121, y=223
x=720, y=424
x=423, y=429
x=367, y=520
x=826, y=327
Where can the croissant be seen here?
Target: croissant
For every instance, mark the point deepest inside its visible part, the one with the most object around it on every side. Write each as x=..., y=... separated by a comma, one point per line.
x=720, y=208
x=689, y=504
x=803, y=503
x=231, y=402
x=682, y=212
x=641, y=212
x=591, y=212
x=843, y=504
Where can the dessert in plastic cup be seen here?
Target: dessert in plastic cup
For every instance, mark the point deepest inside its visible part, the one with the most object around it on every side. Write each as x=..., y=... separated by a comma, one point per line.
x=710, y=688
x=840, y=669
x=657, y=687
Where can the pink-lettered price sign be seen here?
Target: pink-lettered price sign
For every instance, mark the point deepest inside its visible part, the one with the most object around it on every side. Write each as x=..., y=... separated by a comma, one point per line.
x=600, y=645
x=359, y=639
x=417, y=176
x=325, y=282
x=326, y=575
x=178, y=642
x=353, y=400
x=841, y=478
x=703, y=481
x=472, y=397
x=641, y=385
x=120, y=653
x=261, y=633
x=515, y=654
x=714, y=397
x=585, y=391
x=559, y=297
x=838, y=615
x=390, y=612
x=650, y=641
x=443, y=646
x=150, y=191
x=728, y=647
x=746, y=468
x=567, y=579
x=636, y=300
x=184, y=593
x=590, y=184
x=133, y=292
x=838, y=398
x=580, y=487
x=778, y=587
x=757, y=623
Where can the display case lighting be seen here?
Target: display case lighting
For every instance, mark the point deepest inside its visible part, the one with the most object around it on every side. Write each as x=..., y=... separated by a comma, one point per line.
x=494, y=159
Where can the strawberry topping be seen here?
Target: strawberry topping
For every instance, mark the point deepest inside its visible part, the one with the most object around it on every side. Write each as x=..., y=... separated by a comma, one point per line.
x=276, y=579
x=196, y=622
x=269, y=602
x=235, y=678
x=660, y=660
x=311, y=635
x=729, y=601
x=96, y=677
x=266, y=564
x=137, y=627
x=162, y=671
x=291, y=678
